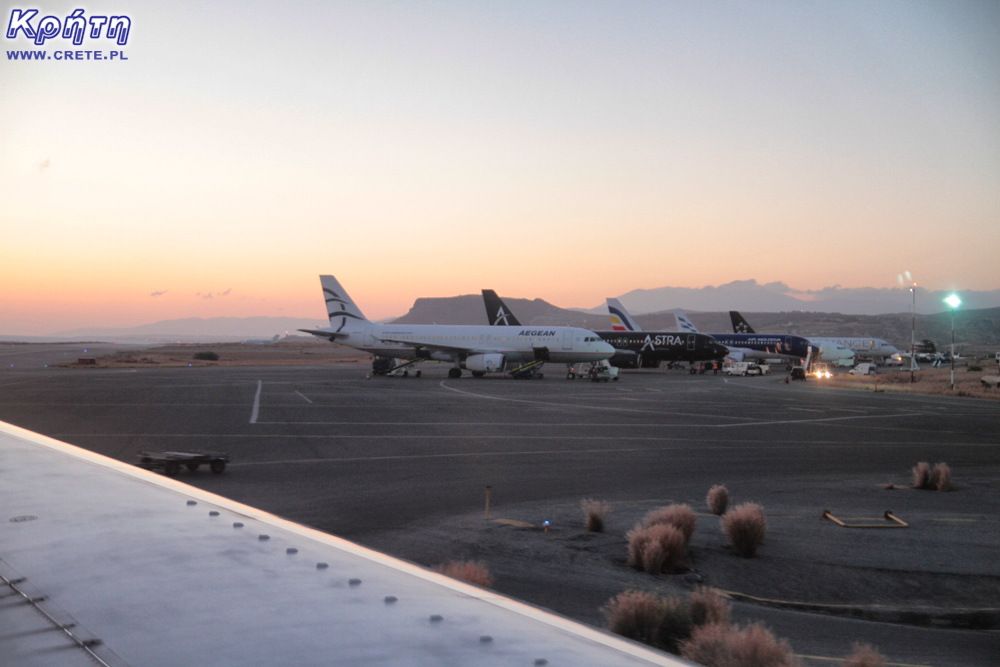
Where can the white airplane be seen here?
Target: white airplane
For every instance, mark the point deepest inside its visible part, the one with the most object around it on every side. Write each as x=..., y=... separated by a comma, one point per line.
x=261, y=341
x=478, y=348
x=104, y=563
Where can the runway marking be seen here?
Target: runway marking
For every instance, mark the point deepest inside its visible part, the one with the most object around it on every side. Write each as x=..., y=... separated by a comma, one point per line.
x=681, y=414
x=580, y=407
x=256, y=403
x=303, y=396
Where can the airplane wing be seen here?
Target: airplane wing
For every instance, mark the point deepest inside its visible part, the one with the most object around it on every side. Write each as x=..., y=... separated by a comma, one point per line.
x=435, y=347
x=329, y=334
x=684, y=323
x=104, y=563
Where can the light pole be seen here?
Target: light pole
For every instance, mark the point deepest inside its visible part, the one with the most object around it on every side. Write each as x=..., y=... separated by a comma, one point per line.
x=954, y=302
x=913, y=332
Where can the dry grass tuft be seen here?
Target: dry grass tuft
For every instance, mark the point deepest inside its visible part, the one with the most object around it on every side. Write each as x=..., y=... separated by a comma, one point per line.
x=864, y=655
x=594, y=513
x=675, y=625
x=636, y=615
x=662, y=622
x=921, y=476
x=941, y=477
x=733, y=646
x=655, y=549
x=717, y=499
x=745, y=526
x=708, y=607
x=679, y=516
x=475, y=572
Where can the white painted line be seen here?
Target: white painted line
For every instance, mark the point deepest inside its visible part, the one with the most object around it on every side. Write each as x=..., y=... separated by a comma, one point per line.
x=303, y=396
x=583, y=407
x=256, y=403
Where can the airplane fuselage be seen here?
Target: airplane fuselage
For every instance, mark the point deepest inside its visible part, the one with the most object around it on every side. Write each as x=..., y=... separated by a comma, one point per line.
x=659, y=346
x=763, y=346
x=861, y=347
x=456, y=342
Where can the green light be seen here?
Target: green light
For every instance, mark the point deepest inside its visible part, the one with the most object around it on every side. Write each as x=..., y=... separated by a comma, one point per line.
x=953, y=301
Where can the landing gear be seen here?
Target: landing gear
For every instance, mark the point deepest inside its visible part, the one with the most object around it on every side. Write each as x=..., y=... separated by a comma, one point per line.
x=454, y=373
x=478, y=374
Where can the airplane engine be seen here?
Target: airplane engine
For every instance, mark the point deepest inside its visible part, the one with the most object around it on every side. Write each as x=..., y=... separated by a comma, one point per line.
x=625, y=359
x=485, y=363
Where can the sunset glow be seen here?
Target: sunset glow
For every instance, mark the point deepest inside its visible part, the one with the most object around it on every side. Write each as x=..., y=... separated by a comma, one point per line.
x=564, y=151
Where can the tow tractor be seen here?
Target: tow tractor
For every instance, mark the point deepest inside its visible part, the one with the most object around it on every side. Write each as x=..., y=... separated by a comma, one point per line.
x=595, y=370
x=170, y=462
x=388, y=366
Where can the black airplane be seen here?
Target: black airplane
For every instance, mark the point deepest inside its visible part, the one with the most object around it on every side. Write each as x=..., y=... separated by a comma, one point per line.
x=634, y=347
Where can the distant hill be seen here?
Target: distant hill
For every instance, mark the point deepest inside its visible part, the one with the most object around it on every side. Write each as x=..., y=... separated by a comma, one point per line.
x=975, y=327
x=197, y=329
x=778, y=297
x=979, y=327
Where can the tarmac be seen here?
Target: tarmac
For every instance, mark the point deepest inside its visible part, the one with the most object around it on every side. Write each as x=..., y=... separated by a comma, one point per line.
x=402, y=465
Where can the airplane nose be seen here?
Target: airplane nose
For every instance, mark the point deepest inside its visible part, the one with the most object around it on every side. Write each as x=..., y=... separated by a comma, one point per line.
x=606, y=349
x=720, y=350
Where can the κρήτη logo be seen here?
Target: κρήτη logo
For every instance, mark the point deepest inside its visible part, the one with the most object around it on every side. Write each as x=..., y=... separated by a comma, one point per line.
x=26, y=23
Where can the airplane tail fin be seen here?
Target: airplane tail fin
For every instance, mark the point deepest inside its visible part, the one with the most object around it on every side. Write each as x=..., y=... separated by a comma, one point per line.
x=684, y=323
x=620, y=318
x=497, y=311
x=343, y=312
x=740, y=325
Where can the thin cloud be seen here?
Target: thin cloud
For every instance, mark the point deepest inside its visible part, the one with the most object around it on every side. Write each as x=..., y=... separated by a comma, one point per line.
x=43, y=165
x=226, y=293
x=158, y=293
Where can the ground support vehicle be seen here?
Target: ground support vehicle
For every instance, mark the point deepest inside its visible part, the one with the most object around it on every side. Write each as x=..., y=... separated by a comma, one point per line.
x=741, y=368
x=821, y=371
x=595, y=371
x=169, y=463
x=603, y=371
x=864, y=369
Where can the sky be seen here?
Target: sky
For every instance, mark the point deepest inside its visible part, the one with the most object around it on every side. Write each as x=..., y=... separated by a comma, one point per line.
x=561, y=150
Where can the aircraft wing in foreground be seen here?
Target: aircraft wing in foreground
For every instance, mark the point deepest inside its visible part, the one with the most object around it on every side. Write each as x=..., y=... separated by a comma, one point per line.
x=105, y=563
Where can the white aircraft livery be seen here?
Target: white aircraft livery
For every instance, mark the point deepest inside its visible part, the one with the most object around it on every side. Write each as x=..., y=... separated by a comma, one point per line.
x=103, y=563
x=478, y=348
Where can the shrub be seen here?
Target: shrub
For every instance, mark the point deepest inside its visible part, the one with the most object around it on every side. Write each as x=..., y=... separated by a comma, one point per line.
x=662, y=622
x=921, y=476
x=864, y=655
x=206, y=356
x=708, y=645
x=745, y=526
x=655, y=549
x=708, y=607
x=941, y=477
x=475, y=572
x=679, y=516
x=733, y=646
x=635, y=615
x=594, y=512
x=675, y=624
x=718, y=500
